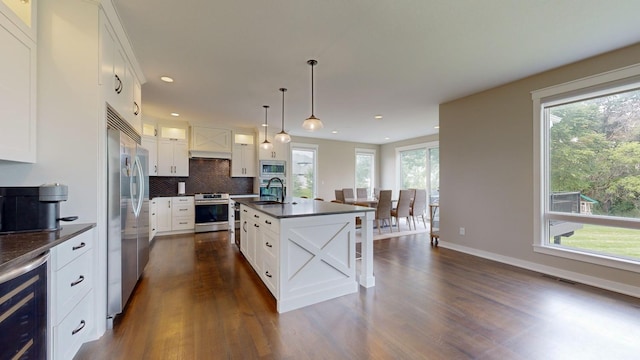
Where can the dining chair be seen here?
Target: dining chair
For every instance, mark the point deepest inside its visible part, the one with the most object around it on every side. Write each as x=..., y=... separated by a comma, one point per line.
x=376, y=192
x=361, y=193
x=348, y=193
x=383, y=210
x=418, y=207
x=403, y=209
x=340, y=195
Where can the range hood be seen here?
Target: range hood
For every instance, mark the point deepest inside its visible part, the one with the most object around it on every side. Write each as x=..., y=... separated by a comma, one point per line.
x=209, y=154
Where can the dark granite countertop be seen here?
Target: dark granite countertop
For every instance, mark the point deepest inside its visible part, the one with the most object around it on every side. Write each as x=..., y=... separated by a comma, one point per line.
x=299, y=207
x=18, y=248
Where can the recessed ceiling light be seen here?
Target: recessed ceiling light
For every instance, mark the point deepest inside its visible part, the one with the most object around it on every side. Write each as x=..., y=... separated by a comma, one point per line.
x=378, y=117
x=166, y=79
x=175, y=114
x=264, y=125
x=437, y=127
x=386, y=138
x=334, y=131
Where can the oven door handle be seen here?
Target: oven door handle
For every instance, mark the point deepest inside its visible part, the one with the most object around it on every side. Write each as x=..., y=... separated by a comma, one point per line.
x=211, y=203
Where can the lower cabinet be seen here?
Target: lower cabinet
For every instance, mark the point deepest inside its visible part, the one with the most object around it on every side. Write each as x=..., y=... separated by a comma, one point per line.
x=259, y=245
x=72, y=303
x=153, y=219
x=175, y=214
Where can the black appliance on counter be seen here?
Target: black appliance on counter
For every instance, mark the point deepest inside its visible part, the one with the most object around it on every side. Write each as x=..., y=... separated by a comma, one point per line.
x=32, y=208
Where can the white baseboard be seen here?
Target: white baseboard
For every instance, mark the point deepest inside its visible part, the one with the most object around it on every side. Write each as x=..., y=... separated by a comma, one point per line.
x=549, y=270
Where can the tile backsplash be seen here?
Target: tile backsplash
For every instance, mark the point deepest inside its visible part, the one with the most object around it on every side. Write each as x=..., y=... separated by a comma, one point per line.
x=205, y=176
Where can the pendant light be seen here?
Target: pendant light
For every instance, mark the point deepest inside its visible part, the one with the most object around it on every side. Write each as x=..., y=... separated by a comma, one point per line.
x=282, y=136
x=266, y=145
x=312, y=123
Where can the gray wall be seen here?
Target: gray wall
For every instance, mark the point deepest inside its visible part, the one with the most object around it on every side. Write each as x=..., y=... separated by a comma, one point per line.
x=486, y=174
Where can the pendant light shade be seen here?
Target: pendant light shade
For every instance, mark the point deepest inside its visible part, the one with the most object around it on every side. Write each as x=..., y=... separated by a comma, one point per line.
x=312, y=123
x=282, y=136
x=266, y=145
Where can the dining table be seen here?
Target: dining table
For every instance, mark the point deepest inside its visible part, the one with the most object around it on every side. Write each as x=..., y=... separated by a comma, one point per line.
x=370, y=201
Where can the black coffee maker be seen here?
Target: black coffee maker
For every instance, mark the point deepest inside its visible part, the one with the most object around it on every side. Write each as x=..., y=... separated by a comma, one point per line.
x=32, y=208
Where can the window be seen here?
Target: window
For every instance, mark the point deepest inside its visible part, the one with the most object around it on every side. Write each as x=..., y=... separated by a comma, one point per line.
x=588, y=191
x=304, y=158
x=365, y=169
x=419, y=168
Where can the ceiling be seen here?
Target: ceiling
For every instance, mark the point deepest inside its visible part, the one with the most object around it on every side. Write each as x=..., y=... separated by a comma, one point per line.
x=398, y=59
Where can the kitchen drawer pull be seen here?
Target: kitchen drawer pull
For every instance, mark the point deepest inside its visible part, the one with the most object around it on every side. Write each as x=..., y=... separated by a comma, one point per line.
x=267, y=222
x=80, y=279
x=256, y=216
x=82, y=244
x=267, y=273
x=244, y=210
x=256, y=225
x=268, y=244
x=80, y=327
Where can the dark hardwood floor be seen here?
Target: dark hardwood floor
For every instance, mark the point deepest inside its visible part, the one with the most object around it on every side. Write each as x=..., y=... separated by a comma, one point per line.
x=199, y=299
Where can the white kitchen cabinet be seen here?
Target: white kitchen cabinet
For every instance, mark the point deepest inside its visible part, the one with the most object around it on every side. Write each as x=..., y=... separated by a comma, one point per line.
x=153, y=218
x=120, y=83
x=150, y=142
x=72, y=303
x=243, y=161
x=175, y=214
x=173, y=158
x=279, y=151
x=183, y=213
x=163, y=214
x=206, y=141
x=17, y=90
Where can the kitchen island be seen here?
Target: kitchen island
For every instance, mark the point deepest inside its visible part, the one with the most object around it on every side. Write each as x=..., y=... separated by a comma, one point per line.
x=305, y=250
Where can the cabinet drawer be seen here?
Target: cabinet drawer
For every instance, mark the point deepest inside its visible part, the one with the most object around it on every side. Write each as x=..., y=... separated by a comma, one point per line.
x=183, y=223
x=182, y=200
x=270, y=242
x=183, y=210
x=69, y=334
x=269, y=273
x=72, y=248
x=270, y=223
x=71, y=283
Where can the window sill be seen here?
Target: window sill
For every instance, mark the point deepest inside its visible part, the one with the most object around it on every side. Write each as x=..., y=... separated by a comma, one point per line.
x=592, y=258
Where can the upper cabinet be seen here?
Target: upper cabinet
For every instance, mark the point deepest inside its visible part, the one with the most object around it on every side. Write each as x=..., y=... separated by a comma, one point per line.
x=18, y=64
x=243, y=161
x=173, y=153
x=279, y=151
x=210, y=142
x=120, y=83
x=150, y=142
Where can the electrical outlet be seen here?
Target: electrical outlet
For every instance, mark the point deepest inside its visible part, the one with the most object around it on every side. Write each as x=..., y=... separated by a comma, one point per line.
x=462, y=231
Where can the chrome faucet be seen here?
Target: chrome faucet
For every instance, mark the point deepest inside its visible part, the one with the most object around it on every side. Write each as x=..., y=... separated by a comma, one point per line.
x=281, y=184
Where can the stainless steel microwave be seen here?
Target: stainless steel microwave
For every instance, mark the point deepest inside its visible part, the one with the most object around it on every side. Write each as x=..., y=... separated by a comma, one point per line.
x=273, y=168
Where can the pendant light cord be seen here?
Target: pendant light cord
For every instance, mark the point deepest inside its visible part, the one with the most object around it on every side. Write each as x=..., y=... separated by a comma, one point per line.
x=312, y=97
x=283, y=90
x=265, y=121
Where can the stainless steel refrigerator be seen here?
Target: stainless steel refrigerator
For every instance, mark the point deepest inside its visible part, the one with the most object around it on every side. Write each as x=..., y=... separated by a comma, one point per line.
x=128, y=215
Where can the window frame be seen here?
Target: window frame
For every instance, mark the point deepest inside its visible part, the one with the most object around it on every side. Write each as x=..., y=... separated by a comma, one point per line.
x=308, y=147
x=372, y=153
x=618, y=80
x=427, y=146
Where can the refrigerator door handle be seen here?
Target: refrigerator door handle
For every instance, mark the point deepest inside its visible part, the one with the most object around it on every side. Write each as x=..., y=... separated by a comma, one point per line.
x=136, y=200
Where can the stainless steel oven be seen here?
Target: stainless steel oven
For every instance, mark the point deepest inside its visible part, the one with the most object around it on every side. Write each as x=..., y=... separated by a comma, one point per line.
x=212, y=212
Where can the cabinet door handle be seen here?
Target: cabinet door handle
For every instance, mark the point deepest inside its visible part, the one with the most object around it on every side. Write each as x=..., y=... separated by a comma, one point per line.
x=268, y=244
x=267, y=222
x=119, y=87
x=136, y=108
x=80, y=327
x=155, y=169
x=267, y=274
x=80, y=279
x=82, y=244
x=256, y=225
x=256, y=216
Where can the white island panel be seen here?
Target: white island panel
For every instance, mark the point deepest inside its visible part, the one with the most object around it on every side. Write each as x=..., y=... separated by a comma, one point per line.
x=317, y=259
